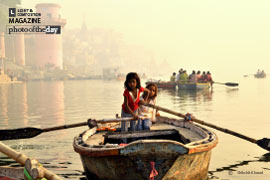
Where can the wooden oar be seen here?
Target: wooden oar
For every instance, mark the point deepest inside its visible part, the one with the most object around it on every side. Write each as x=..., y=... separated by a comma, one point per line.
x=227, y=84
x=263, y=143
x=21, y=159
x=29, y=132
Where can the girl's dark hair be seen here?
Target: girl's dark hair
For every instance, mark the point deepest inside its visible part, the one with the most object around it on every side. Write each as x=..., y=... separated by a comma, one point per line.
x=148, y=86
x=132, y=75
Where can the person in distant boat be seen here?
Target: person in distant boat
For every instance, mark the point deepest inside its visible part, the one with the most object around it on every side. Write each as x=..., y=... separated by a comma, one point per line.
x=178, y=75
x=203, y=78
x=193, y=77
x=259, y=71
x=262, y=72
x=198, y=75
x=173, y=78
x=148, y=113
x=209, y=78
x=131, y=95
x=184, y=77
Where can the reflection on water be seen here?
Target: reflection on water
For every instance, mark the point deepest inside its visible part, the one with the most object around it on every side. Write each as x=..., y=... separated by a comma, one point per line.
x=13, y=103
x=53, y=103
x=195, y=95
x=3, y=104
x=186, y=100
x=21, y=103
x=47, y=101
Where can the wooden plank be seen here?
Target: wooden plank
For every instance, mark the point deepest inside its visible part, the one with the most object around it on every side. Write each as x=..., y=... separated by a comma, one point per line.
x=12, y=172
x=135, y=134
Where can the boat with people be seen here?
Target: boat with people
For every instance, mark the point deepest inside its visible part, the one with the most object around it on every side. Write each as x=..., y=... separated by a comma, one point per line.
x=172, y=149
x=260, y=74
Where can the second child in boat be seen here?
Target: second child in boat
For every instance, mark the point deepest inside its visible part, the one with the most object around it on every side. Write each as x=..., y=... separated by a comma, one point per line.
x=131, y=95
x=148, y=113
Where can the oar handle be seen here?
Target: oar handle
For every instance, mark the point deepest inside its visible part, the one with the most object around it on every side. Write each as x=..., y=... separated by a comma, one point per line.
x=29, y=132
x=65, y=127
x=115, y=120
x=203, y=123
x=90, y=122
x=219, y=83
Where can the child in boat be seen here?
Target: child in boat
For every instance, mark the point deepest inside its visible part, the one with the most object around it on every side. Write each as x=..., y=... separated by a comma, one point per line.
x=148, y=113
x=131, y=95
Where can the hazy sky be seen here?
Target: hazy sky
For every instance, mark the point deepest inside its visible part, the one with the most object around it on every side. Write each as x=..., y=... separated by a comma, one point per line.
x=218, y=35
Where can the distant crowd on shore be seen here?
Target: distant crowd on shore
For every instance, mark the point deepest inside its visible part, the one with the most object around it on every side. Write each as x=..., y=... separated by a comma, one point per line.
x=182, y=77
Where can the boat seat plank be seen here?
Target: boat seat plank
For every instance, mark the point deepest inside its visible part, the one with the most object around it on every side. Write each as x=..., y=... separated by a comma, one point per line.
x=136, y=134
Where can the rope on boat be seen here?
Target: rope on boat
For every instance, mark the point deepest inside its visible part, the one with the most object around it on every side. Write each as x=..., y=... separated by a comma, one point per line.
x=153, y=172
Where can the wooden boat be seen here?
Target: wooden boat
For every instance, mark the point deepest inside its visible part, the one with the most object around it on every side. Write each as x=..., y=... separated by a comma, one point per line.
x=193, y=86
x=31, y=167
x=260, y=75
x=172, y=149
x=162, y=84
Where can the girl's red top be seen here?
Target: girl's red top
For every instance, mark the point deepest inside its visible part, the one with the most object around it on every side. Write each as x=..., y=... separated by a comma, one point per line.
x=133, y=104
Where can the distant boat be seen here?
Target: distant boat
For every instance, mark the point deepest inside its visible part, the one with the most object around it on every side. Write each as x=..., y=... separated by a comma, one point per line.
x=260, y=75
x=172, y=149
x=193, y=86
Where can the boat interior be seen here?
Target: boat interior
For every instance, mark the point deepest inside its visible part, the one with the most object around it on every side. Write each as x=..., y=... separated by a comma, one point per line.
x=122, y=137
x=179, y=131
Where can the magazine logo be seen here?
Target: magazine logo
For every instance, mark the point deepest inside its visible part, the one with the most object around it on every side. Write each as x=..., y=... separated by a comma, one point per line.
x=27, y=21
x=36, y=29
x=12, y=12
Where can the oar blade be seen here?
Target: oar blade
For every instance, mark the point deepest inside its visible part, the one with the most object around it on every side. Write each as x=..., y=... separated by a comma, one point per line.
x=231, y=84
x=264, y=143
x=21, y=133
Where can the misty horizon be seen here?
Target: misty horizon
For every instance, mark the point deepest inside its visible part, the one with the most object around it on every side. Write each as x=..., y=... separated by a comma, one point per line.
x=217, y=36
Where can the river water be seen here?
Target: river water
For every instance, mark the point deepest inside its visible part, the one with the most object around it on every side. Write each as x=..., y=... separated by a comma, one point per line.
x=244, y=109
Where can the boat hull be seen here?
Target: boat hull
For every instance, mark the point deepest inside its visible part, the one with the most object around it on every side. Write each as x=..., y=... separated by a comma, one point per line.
x=196, y=86
x=260, y=75
x=134, y=166
x=185, y=167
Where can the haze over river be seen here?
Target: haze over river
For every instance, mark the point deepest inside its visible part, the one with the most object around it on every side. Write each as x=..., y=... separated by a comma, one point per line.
x=244, y=109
